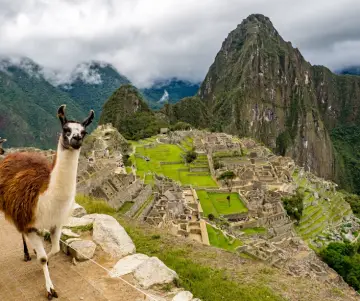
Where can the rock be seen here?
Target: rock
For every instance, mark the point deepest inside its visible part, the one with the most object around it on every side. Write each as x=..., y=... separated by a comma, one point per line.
x=78, y=211
x=64, y=246
x=78, y=222
x=349, y=236
x=183, y=296
x=127, y=265
x=69, y=233
x=96, y=216
x=112, y=237
x=153, y=271
x=82, y=250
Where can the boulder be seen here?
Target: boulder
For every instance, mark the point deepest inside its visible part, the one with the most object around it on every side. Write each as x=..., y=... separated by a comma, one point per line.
x=78, y=211
x=78, y=222
x=127, y=265
x=65, y=246
x=183, y=296
x=112, y=237
x=69, y=233
x=96, y=216
x=82, y=250
x=153, y=271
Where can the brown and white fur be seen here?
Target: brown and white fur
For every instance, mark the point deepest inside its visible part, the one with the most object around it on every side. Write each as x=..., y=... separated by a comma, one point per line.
x=35, y=195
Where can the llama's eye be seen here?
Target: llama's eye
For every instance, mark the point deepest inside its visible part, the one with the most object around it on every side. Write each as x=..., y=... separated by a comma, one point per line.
x=83, y=133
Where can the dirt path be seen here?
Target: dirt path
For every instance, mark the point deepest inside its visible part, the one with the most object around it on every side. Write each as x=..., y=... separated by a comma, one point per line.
x=24, y=281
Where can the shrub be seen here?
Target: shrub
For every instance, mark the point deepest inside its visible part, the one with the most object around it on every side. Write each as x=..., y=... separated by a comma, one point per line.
x=190, y=156
x=294, y=205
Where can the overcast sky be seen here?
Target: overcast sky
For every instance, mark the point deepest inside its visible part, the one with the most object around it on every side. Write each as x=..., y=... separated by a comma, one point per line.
x=157, y=39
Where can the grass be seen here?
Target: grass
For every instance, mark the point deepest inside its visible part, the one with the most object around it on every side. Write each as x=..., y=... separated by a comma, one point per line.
x=82, y=228
x=126, y=207
x=94, y=205
x=217, y=204
x=254, y=231
x=178, y=171
x=218, y=239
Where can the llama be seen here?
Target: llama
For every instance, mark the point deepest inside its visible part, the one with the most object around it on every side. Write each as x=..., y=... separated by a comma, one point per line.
x=35, y=195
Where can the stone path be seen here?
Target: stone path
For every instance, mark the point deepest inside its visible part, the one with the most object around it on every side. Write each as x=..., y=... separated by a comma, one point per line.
x=24, y=281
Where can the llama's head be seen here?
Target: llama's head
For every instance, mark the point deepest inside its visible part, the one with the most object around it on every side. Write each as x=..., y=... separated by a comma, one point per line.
x=73, y=132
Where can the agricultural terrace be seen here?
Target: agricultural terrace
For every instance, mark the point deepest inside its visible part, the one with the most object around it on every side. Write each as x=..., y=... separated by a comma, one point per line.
x=167, y=160
x=218, y=239
x=216, y=203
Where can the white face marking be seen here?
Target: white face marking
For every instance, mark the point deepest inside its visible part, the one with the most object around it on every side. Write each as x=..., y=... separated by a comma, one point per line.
x=76, y=129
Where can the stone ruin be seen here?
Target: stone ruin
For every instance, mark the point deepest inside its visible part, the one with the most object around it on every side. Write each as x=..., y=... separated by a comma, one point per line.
x=177, y=210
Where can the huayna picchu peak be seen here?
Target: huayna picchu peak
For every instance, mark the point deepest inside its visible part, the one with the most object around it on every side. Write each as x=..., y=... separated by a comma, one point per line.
x=260, y=86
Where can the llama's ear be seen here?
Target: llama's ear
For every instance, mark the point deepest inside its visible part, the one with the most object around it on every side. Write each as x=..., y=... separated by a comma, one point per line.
x=61, y=114
x=89, y=119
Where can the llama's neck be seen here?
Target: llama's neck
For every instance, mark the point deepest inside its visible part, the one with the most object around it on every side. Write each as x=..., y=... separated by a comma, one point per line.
x=63, y=175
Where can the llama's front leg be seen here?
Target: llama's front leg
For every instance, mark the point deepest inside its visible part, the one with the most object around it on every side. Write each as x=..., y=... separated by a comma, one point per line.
x=37, y=244
x=55, y=234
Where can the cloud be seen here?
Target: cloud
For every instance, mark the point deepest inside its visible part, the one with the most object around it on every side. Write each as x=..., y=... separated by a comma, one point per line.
x=148, y=40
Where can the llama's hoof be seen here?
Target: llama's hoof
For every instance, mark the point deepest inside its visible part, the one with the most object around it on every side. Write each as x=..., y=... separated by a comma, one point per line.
x=52, y=294
x=27, y=257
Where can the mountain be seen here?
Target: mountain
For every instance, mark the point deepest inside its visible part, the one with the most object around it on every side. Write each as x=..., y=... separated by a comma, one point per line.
x=261, y=86
x=130, y=115
x=352, y=70
x=92, y=83
x=28, y=105
x=170, y=91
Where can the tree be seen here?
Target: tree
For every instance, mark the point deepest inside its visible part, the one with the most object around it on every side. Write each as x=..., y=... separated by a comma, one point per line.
x=190, y=156
x=227, y=177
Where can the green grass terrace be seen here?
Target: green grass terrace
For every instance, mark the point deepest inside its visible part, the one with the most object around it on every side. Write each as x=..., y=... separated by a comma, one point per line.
x=167, y=160
x=216, y=203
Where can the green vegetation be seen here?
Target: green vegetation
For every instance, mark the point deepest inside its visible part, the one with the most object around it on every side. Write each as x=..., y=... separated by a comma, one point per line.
x=190, y=156
x=254, y=231
x=354, y=201
x=93, y=95
x=227, y=177
x=126, y=207
x=167, y=160
x=217, y=203
x=190, y=110
x=346, y=141
x=82, y=228
x=294, y=205
x=180, y=126
x=94, y=205
x=28, y=107
x=344, y=258
x=128, y=112
x=218, y=239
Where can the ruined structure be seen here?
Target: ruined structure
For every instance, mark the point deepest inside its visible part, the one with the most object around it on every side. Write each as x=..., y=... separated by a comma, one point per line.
x=177, y=210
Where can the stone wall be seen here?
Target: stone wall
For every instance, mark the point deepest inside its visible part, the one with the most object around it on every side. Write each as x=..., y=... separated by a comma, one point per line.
x=140, y=200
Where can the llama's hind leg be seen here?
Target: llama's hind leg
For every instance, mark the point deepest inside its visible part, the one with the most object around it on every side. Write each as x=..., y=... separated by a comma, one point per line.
x=26, y=251
x=37, y=244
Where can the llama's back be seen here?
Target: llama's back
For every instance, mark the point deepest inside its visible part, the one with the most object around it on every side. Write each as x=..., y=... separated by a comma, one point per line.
x=23, y=177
